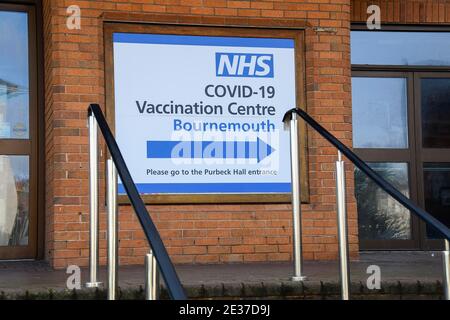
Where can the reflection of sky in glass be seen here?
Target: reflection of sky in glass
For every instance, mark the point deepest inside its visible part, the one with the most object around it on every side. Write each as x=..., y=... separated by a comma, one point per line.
x=379, y=112
x=14, y=47
x=14, y=72
x=400, y=48
x=20, y=167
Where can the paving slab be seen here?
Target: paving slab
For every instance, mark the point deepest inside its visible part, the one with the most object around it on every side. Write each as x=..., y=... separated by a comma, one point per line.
x=415, y=270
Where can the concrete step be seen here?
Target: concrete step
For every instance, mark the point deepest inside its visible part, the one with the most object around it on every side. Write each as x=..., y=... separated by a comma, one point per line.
x=404, y=275
x=308, y=290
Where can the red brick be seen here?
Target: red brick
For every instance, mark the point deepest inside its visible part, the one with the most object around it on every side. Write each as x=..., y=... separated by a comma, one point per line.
x=209, y=233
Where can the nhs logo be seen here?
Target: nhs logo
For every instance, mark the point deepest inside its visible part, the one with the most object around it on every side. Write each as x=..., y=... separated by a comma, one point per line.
x=244, y=65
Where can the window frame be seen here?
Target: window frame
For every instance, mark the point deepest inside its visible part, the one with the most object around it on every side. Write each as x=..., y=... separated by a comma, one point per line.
x=399, y=28
x=33, y=146
x=426, y=155
x=282, y=30
x=394, y=155
x=418, y=155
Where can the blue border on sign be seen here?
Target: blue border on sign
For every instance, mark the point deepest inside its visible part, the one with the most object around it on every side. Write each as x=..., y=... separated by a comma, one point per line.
x=147, y=188
x=202, y=40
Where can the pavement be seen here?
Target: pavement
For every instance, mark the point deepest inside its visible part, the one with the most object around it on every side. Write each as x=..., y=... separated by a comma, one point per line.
x=396, y=267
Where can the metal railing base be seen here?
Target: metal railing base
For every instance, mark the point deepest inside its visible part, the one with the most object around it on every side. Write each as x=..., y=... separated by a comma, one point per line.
x=301, y=278
x=93, y=284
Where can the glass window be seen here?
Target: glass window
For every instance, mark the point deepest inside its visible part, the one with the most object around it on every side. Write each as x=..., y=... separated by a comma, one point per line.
x=437, y=194
x=400, y=48
x=435, y=101
x=14, y=94
x=379, y=112
x=381, y=217
x=14, y=200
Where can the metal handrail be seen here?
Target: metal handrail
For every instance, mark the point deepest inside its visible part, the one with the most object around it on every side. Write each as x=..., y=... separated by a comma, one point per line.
x=380, y=181
x=341, y=202
x=159, y=251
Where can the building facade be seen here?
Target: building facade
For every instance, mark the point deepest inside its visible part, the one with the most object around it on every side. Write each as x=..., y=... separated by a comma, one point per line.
x=55, y=63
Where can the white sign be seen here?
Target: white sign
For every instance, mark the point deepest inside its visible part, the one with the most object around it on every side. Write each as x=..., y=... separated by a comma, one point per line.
x=201, y=114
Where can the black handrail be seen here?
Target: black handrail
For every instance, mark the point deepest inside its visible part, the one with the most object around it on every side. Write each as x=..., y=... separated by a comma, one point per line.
x=166, y=267
x=382, y=183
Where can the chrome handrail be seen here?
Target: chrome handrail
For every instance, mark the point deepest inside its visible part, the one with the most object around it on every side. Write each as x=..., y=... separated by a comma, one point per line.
x=296, y=202
x=93, y=204
x=291, y=116
x=116, y=162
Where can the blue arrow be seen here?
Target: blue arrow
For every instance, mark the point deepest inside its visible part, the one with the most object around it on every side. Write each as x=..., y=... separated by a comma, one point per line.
x=160, y=149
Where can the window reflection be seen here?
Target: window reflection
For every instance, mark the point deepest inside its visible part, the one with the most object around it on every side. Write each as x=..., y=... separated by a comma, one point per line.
x=435, y=102
x=379, y=111
x=400, y=48
x=381, y=217
x=14, y=94
x=14, y=200
x=437, y=194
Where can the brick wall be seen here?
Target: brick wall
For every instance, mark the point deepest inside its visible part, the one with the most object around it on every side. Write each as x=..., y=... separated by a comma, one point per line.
x=193, y=233
x=405, y=11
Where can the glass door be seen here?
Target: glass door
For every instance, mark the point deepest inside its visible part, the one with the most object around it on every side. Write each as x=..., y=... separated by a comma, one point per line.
x=383, y=136
x=417, y=163
x=432, y=96
x=18, y=132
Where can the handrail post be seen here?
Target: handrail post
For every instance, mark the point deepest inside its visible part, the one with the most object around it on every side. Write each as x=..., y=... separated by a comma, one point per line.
x=151, y=277
x=93, y=203
x=112, y=229
x=296, y=201
x=446, y=267
x=342, y=228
